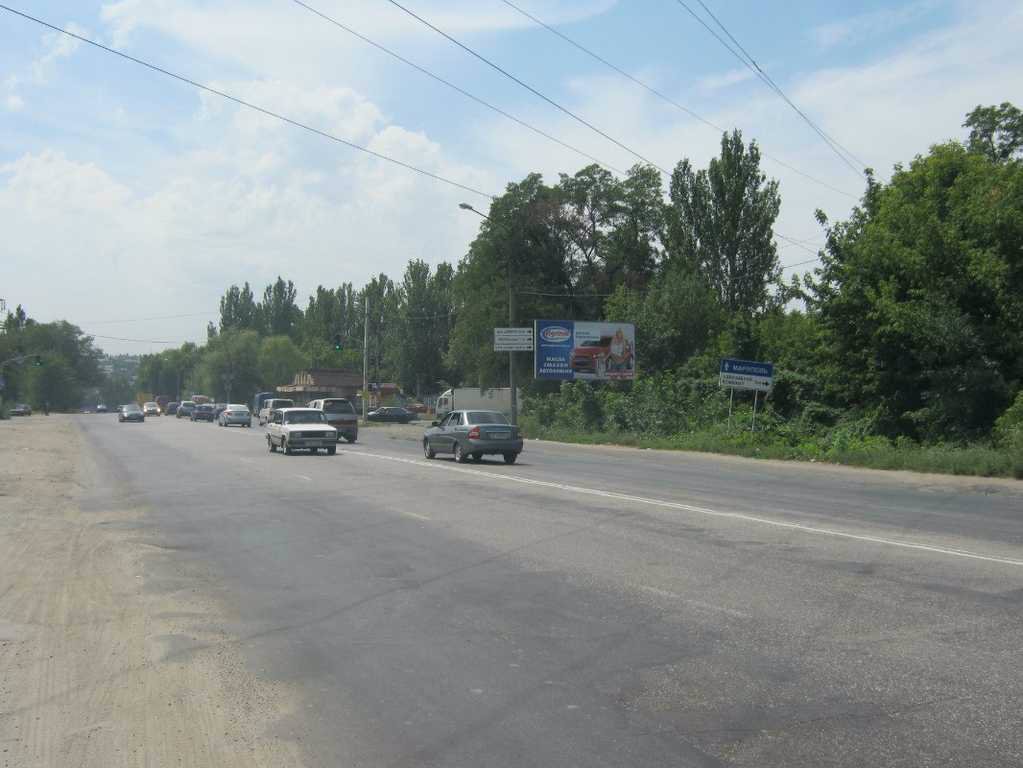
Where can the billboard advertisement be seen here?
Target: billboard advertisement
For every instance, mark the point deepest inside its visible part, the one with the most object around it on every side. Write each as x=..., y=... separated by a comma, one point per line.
x=572, y=350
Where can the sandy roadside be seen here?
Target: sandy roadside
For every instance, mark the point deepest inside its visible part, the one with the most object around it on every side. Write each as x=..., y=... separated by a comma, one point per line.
x=88, y=670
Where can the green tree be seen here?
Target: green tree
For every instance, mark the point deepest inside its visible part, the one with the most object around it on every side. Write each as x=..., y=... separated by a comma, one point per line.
x=54, y=385
x=238, y=309
x=676, y=318
x=996, y=132
x=720, y=223
x=230, y=366
x=278, y=312
x=921, y=296
x=279, y=360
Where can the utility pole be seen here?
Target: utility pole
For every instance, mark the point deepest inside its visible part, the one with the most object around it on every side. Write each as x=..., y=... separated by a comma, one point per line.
x=511, y=355
x=365, y=359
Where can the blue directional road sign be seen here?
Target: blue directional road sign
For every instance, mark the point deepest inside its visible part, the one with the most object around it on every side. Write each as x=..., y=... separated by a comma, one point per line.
x=746, y=374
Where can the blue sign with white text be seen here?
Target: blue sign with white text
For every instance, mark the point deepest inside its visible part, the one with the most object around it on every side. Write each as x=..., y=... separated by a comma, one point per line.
x=747, y=368
x=553, y=341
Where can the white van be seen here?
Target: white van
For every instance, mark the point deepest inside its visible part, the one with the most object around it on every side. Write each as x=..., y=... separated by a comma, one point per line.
x=272, y=405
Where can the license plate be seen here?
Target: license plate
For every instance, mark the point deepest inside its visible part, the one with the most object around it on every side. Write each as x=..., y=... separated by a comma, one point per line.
x=500, y=435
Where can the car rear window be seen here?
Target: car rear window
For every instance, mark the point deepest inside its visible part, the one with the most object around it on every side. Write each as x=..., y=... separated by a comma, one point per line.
x=487, y=417
x=338, y=406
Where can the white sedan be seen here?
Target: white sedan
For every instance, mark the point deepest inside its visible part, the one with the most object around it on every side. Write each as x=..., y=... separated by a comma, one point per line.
x=300, y=429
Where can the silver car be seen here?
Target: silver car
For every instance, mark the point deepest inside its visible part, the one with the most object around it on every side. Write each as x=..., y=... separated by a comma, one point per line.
x=238, y=415
x=474, y=434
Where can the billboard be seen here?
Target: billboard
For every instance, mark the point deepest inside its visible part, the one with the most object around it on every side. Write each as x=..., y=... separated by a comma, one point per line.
x=571, y=350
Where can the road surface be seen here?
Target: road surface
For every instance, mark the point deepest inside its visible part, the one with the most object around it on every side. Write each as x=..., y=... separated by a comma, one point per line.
x=587, y=606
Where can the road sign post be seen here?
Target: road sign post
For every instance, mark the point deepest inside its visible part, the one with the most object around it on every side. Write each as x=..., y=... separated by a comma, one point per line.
x=748, y=375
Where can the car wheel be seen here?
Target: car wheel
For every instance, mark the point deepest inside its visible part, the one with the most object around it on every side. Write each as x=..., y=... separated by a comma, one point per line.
x=460, y=455
x=509, y=458
x=270, y=445
x=331, y=451
x=286, y=447
x=428, y=451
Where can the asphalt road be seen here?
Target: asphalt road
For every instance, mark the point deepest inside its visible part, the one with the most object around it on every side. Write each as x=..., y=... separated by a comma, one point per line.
x=593, y=607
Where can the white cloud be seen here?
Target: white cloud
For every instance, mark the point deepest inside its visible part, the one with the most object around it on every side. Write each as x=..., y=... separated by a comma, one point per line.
x=864, y=26
x=14, y=103
x=58, y=46
x=725, y=79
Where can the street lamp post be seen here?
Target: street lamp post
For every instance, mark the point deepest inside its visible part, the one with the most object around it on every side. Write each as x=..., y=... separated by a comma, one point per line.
x=511, y=322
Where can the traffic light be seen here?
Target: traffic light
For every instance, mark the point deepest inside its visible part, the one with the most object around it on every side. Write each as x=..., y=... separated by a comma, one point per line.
x=338, y=343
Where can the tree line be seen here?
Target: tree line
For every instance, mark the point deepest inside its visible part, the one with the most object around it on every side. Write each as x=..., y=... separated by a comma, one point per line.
x=910, y=326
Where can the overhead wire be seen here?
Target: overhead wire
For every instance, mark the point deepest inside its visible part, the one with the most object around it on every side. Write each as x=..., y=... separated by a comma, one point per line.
x=661, y=95
x=250, y=105
x=750, y=63
x=454, y=87
x=527, y=86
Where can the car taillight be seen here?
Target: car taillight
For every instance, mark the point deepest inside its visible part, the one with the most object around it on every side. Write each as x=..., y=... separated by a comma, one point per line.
x=474, y=433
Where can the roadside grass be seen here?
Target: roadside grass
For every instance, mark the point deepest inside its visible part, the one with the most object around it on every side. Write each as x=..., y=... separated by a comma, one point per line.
x=870, y=452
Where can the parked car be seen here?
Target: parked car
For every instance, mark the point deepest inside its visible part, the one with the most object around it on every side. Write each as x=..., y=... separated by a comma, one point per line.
x=151, y=409
x=185, y=409
x=390, y=413
x=21, y=409
x=341, y=415
x=101, y=408
x=300, y=429
x=272, y=405
x=415, y=408
x=473, y=434
x=131, y=412
x=172, y=408
x=239, y=415
x=202, y=412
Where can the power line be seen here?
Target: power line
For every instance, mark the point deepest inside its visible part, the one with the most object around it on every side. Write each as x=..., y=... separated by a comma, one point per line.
x=459, y=89
x=527, y=86
x=134, y=341
x=659, y=94
x=250, y=105
x=750, y=63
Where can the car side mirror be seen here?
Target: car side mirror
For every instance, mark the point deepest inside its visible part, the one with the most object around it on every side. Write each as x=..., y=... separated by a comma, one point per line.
x=434, y=423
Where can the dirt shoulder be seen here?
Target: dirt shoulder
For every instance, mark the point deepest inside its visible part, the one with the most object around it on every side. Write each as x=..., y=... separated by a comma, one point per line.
x=89, y=675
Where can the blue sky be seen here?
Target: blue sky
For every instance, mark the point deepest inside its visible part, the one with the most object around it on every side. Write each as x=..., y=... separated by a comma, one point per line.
x=126, y=195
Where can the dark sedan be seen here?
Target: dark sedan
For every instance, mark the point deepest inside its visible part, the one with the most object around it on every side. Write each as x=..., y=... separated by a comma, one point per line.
x=392, y=414
x=172, y=408
x=130, y=412
x=203, y=412
x=473, y=434
x=21, y=409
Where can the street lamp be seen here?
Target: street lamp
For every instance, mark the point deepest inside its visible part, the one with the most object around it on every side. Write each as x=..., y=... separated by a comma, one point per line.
x=511, y=322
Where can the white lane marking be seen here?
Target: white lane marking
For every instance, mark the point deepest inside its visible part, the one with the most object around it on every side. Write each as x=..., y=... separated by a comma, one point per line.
x=801, y=527
x=305, y=477
x=417, y=517
x=694, y=603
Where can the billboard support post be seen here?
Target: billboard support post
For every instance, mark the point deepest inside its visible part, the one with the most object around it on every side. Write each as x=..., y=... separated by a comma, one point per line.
x=511, y=355
x=753, y=424
x=731, y=397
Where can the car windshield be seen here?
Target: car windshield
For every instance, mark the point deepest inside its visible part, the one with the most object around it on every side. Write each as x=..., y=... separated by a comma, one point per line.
x=240, y=411
x=304, y=417
x=132, y=408
x=487, y=417
x=338, y=406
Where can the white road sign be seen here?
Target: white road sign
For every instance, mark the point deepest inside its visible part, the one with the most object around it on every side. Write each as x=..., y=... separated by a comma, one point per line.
x=513, y=339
